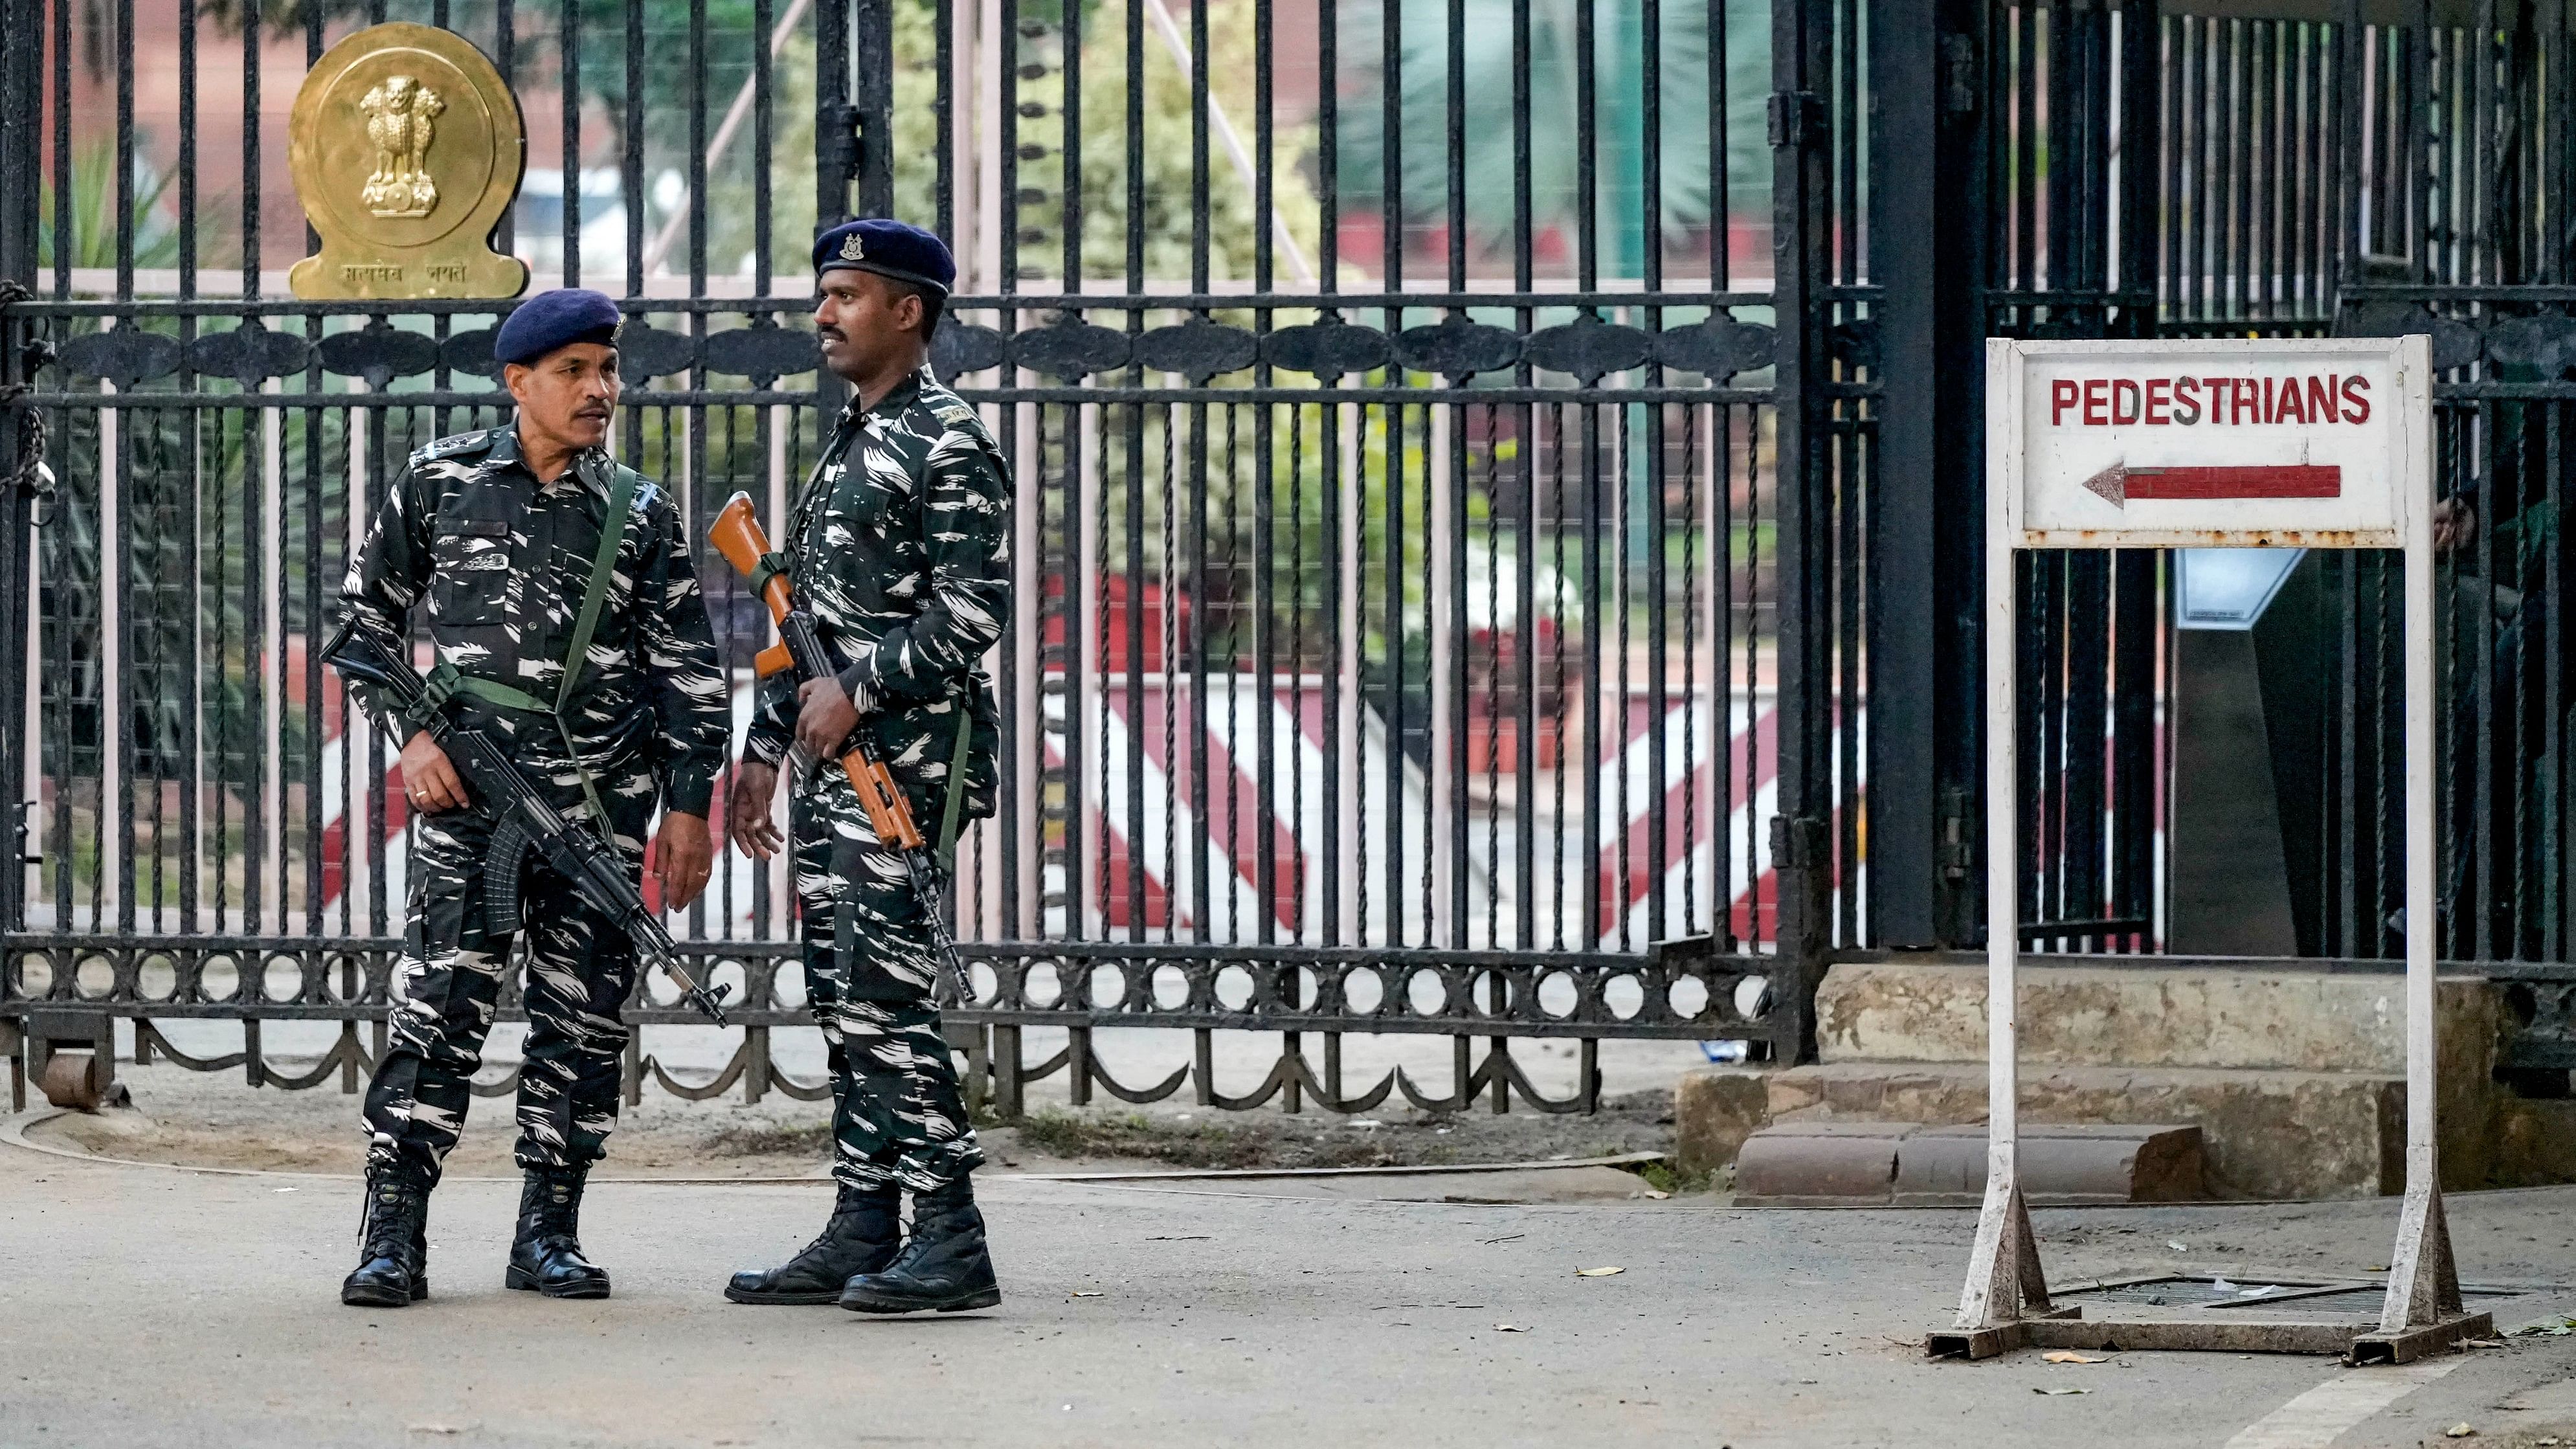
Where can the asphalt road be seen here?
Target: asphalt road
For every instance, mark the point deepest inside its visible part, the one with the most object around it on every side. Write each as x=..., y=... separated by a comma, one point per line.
x=149, y=1307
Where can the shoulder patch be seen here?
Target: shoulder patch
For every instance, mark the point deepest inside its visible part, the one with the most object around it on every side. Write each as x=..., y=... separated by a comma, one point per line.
x=451, y=446
x=955, y=416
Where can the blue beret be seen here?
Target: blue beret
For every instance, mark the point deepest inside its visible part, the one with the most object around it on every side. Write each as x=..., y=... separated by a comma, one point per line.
x=888, y=248
x=555, y=319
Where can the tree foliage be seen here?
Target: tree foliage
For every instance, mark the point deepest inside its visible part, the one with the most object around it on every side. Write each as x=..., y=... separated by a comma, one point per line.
x=1171, y=208
x=1486, y=142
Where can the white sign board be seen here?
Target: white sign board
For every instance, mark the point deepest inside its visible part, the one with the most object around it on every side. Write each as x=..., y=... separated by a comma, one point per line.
x=2221, y=443
x=2218, y=444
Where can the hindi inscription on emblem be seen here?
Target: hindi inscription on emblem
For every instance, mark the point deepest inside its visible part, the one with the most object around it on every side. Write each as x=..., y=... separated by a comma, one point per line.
x=407, y=148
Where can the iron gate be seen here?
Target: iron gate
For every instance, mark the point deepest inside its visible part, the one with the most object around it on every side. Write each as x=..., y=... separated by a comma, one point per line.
x=1417, y=635
x=2193, y=169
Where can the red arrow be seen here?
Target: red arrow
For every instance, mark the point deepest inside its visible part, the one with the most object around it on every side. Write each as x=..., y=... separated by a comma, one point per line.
x=2119, y=483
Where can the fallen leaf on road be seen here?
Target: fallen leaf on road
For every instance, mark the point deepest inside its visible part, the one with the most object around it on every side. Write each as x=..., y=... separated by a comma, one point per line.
x=2482, y=1343
x=1180, y=1238
x=2177, y=1245
x=2460, y=1431
x=2068, y=1355
x=2053, y=1393
x=1506, y=1238
x=1597, y=1272
x=1509, y=1328
x=1086, y=1295
x=281, y=1189
x=436, y=1429
x=1657, y=1195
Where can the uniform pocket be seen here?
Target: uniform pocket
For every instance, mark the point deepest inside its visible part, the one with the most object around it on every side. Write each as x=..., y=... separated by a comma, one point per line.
x=861, y=505
x=470, y=573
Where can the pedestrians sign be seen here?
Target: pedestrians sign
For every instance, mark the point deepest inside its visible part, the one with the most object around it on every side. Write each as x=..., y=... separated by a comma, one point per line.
x=2217, y=443
x=2214, y=444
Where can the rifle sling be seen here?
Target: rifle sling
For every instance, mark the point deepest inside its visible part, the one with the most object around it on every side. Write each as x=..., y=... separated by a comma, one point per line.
x=954, y=810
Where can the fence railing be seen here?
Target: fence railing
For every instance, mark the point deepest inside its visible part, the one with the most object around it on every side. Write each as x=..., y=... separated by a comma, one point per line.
x=1399, y=646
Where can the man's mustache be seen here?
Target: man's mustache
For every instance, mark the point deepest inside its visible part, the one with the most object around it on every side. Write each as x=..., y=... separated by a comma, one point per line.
x=833, y=333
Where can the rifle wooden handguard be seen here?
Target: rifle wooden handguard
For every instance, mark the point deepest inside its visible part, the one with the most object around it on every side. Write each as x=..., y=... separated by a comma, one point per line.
x=738, y=536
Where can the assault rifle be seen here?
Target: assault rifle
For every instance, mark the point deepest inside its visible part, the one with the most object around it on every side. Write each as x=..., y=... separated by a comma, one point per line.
x=738, y=536
x=527, y=823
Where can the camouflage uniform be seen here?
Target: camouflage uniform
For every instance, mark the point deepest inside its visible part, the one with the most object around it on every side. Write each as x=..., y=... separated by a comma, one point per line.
x=900, y=545
x=504, y=562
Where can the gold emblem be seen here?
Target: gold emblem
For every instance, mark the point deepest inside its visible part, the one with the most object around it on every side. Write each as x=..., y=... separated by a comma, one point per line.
x=850, y=249
x=402, y=121
x=407, y=149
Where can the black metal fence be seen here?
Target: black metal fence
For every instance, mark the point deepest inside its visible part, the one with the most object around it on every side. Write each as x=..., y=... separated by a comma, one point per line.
x=1458, y=597
x=1414, y=635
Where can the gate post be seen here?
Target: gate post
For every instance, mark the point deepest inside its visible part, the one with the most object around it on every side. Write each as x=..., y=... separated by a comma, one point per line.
x=21, y=91
x=1928, y=189
x=1802, y=225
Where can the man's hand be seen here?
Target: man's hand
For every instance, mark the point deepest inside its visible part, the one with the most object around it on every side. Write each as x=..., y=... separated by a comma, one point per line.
x=682, y=857
x=2455, y=525
x=747, y=810
x=824, y=723
x=428, y=778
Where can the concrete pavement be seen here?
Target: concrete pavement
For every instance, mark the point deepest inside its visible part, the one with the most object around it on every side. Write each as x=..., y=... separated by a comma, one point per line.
x=151, y=1307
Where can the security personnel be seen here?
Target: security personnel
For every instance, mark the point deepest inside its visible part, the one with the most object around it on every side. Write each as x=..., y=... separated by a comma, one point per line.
x=900, y=545
x=561, y=592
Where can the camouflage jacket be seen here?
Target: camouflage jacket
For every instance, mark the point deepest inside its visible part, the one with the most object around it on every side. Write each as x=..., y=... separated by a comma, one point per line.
x=503, y=561
x=901, y=547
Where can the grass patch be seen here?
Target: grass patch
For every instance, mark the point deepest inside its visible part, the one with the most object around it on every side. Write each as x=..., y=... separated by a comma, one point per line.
x=1664, y=1177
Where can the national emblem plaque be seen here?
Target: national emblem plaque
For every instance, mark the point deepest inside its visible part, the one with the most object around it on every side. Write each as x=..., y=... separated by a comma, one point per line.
x=407, y=147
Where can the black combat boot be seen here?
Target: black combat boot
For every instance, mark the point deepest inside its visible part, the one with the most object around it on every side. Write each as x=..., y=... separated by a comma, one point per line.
x=393, y=1243
x=862, y=1237
x=546, y=1256
x=944, y=1264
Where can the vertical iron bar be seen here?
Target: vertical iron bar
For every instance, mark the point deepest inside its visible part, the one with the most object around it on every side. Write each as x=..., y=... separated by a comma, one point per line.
x=568, y=50
x=1328, y=440
x=1587, y=263
x=872, y=95
x=630, y=181
x=835, y=156
x=1801, y=35
x=1525, y=756
x=943, y=107
x=1650, y=223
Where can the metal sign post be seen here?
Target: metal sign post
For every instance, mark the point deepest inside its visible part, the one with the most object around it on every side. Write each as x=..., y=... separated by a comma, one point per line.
x=2266, y=443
